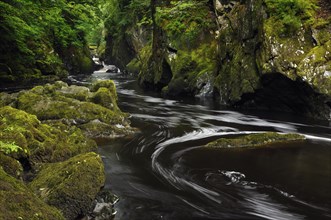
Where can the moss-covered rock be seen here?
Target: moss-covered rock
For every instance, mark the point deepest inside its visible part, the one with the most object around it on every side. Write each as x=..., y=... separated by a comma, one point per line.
x=76, y=105
x=71, y=186
x=105, y=98
x=11, y=166
x=7, y=99
x=260, y=39
x=80, y=93
x=18, y=202
x=40, y=142
x=255, y=140
x=105, y=94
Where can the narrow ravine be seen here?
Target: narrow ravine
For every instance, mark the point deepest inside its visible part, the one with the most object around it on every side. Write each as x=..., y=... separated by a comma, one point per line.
x=165, y=172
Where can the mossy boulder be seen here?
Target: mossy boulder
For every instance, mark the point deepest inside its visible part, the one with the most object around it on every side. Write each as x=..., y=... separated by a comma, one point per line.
x=71, y=186
x=256, y=140
x=11, y=166
x=105, y=98
x=80, y=93
x=40, y=142
x=18, y=202
x=60, y=101
x=7, y=99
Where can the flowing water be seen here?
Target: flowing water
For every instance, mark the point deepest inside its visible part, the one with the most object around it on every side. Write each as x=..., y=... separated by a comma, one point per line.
x=165, y=172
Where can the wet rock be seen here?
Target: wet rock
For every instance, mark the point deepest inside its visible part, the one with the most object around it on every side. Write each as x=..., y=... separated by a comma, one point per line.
x=18, y=202
x=71, y=186
x=112, y=69
x=99, y=129
x=256, y=140
x=103, y=206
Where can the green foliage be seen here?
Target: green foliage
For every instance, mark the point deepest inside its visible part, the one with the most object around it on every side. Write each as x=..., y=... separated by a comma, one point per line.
x=9, y=148
x=185, y=19
x=290, y=14
x=119, y=14
x=34, y=34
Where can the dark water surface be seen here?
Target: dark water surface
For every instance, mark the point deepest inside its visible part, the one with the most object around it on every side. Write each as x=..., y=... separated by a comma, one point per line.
x=165, y=172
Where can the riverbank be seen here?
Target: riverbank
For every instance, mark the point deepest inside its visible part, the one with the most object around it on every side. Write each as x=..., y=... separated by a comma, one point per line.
x=49, y=168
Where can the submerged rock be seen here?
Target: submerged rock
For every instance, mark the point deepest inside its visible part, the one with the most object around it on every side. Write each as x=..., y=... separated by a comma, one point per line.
x=255, y=140
x=103, y=206
x=18, y=202
x=71, y=186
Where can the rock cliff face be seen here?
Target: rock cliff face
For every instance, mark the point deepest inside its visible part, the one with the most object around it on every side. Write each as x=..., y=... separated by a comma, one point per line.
x=254, y=54
x=274, y=62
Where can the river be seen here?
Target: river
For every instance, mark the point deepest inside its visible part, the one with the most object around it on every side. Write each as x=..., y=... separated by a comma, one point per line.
x=165, y=172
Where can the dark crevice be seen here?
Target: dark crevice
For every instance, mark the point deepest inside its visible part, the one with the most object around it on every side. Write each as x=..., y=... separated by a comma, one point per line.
x=279, y=93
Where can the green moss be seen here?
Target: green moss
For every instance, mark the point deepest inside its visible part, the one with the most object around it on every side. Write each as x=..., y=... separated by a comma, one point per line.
x=11, y=166
x=185, y=21
x=71, y=186
x=54, y=106
x=315, y=65
x=40, y=142
x=134, y=66
x=190, y=66
x=18, y=202
x=109, y=84
x=255, y=140
x=76, y=105
x=80, y=93
x=290, y=14
x=105, y=98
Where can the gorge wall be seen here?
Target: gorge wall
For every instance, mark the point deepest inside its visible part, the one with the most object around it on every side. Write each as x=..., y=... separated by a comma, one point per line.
x=262, y=54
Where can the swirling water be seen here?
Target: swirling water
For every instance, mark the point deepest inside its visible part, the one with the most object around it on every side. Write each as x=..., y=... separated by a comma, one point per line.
x=165, y=172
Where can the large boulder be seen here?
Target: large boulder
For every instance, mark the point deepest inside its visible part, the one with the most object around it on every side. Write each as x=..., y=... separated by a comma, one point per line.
x=77, y=105
x=71, y=186
x=18, y=202
x=26, y=137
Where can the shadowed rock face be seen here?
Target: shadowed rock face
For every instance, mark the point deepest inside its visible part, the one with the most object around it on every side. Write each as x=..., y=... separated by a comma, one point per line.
x=279, y=93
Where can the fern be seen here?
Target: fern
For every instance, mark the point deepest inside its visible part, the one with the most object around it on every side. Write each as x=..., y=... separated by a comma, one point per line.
x=9, y=148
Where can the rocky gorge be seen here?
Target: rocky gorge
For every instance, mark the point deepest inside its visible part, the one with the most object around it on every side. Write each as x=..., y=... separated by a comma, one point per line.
x=67, y=141
x=261, y=54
